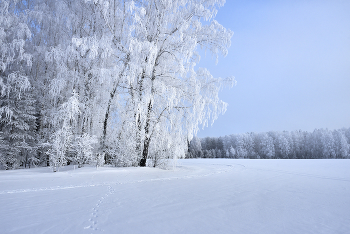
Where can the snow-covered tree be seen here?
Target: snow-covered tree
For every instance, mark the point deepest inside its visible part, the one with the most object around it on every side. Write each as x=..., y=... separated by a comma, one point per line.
x=17, y=124
x=232, y=152
x=341, y=144
x=148, y=49
x=241, y=150
x=267, y=148
x=66, y=143
x=195, y=144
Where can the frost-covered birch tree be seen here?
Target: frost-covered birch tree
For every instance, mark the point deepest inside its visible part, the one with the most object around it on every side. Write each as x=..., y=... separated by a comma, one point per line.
x=151, y=93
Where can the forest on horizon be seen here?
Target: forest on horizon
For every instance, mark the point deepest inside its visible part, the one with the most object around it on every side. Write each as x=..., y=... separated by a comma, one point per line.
x=321, y=143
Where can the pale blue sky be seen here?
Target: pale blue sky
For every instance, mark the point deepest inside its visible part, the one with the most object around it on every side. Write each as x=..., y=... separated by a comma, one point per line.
x=291, y=60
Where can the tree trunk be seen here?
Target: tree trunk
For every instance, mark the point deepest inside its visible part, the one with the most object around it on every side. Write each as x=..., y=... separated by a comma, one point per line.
x=138, y=135
x=105, y=122
x=147, y=138
x=112, y=94
x=145, y=152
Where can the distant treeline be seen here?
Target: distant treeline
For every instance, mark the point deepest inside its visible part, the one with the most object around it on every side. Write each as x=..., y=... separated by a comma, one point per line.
x=321, y=143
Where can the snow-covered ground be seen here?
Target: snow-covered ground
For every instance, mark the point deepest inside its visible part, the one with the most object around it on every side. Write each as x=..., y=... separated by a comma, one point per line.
x=199, y=196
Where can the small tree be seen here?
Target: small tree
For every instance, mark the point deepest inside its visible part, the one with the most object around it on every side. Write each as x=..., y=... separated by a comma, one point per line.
x=65, y=141
x=100, y=160
x=266, y=146
x=60, y=144
x=232, y=152
x=84, y=150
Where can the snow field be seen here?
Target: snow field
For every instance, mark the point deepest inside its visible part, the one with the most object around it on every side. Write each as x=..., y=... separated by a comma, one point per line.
x=199, y=196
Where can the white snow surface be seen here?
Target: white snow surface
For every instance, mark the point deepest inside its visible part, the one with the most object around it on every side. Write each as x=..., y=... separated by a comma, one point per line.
x=198, y=196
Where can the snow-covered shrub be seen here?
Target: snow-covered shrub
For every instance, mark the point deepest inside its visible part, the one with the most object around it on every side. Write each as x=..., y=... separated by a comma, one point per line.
x=61, y=142
x=84, y=150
